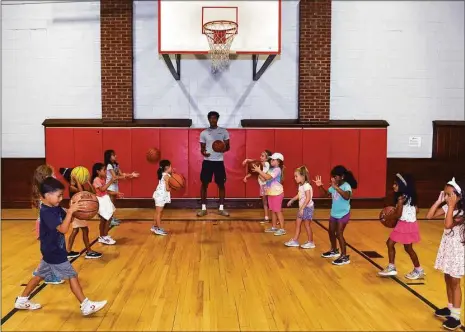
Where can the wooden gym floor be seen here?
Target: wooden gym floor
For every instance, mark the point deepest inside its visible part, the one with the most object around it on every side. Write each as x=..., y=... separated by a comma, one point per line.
x=220, y=274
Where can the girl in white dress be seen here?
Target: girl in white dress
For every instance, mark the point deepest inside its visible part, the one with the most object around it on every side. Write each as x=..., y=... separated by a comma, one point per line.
x=161, y=195
x=451, y=254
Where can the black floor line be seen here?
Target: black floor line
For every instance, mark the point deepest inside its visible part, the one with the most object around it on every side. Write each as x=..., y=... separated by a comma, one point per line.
x=396, y=279
x=400, y=282
x=42, y=286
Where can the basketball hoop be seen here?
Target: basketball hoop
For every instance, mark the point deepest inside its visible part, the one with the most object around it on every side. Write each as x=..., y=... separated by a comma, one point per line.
x=220, y=35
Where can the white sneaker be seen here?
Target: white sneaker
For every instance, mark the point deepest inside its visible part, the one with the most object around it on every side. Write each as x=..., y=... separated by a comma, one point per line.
x=160, y=231
x=389, y=271
x=291, y=243
x=308, y=245
x=26, y=304
x=280, y=232
x=112, y=241
x=271, y=230
x=265, y=221
x=89, y=307
x=106, y=240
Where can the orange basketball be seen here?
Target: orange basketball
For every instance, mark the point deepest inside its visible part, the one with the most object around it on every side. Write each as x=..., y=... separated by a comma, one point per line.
x=387, y=218
x=91, y=205
x=250, y=165
x=176, y=181
x=153, y=155
x=218, y=146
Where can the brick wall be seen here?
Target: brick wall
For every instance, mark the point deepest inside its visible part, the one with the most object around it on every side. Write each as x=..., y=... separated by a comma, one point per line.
x=315, y=60
x=116, y=59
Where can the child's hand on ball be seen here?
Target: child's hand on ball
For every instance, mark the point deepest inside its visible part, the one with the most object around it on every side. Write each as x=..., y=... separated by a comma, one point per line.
x=256, y=168
x=75, y=206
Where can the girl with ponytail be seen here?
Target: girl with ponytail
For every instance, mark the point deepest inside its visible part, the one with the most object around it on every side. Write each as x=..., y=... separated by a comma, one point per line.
x=161, y=195
x=342, y=183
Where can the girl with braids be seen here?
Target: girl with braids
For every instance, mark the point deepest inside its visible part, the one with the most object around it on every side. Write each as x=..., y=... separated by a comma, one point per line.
x=161, y=195
x=451, y=254
x=406, y=231
x=342, y=183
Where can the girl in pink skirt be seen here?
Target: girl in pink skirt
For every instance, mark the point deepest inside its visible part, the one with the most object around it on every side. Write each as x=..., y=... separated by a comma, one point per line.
x=406, y=231
x=451, y=253
x=275, y=192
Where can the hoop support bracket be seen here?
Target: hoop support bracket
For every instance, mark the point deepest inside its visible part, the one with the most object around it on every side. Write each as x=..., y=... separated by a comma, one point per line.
x=175, y=72
x=256, y=75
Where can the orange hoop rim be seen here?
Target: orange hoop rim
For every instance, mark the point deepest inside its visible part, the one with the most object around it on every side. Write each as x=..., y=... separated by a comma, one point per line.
x=213, y=30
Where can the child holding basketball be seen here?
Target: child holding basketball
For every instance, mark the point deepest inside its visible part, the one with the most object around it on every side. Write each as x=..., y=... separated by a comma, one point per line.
x=306, y=207
x=342, y=183
x=40, y=174
x=275, y=192
x=54, y=223
x=114, y=172
x=265, y=160
x=161, y=195
x=451, y=254
x=406, y=231
x=78, y=224
x=106, y=207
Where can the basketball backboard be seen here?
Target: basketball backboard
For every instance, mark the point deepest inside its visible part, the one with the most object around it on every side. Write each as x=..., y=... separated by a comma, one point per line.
x=180, y=25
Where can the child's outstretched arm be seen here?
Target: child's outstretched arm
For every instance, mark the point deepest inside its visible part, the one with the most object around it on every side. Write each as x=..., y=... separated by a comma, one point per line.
x=320, y=186
x=292, y=200
x=435, y=210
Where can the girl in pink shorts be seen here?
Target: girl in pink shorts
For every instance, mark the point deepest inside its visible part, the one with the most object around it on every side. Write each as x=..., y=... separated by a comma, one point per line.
x=275, y=192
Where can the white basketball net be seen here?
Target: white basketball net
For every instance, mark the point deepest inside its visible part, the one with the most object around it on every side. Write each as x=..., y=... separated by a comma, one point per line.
x=220, y=35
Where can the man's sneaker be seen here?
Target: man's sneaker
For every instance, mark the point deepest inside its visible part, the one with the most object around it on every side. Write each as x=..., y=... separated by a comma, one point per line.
x=26, y=304
x=342, y=260
x=389, y=271
x=415, y=274
x=106, y=240
x=90, y=307
x=280, y=232
x=53, y=280
x=308, y=245
x=452, y=324
x=115, y=222
x=73, y=254
x=291, y=243
x=223, y=213
x=93, y=255
x=202, y=213
x=444, y=312
x=331, y=253
x=271, y=230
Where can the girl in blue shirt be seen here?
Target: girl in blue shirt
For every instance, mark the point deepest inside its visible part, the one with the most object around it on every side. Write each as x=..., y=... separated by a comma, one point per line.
x=342, y=183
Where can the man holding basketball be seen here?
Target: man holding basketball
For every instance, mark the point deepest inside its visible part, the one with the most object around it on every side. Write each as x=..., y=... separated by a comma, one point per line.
x=213, y=162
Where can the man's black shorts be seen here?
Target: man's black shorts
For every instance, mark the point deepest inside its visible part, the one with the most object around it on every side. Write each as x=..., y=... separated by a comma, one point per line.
x=210, y=168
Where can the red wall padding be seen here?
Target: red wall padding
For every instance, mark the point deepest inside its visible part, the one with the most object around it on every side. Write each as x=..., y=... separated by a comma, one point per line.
x=372, y=163
x=289, y=143
x=174, y=146
x=119, y=140
x=142, y=139
x=363, y=151
x=59, y=150
x=317, y=155
x=235, y=186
